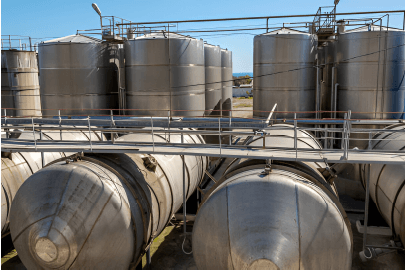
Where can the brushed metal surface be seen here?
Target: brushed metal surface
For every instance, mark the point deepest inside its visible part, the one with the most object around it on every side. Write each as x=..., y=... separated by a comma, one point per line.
x=387, y=182
x=102, y=212
x=284, y=73
x=165, y=72
x=289, y=218
x=213, y=78
x=19, y=83
x=365, y=58
x=15, y=170
x=227, y=76
x=78, y=75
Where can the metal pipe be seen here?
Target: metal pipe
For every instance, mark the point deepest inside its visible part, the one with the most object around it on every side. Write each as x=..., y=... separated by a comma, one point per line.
x=335, y=101
x=332, y=96
x=366, y=208
x=265, y=17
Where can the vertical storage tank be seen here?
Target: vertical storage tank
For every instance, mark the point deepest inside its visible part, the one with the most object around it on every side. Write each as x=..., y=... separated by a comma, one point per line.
x=226, y=63
x=213, y=78
x=78, y=75
x=165, y=71
x=19, y=83
x=284, y=73
x=370, y=72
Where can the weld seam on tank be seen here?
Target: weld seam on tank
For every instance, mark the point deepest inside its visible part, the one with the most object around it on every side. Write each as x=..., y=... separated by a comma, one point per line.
x=151, y=197
x=248, y=174
x=388, y=180
x=133, y=185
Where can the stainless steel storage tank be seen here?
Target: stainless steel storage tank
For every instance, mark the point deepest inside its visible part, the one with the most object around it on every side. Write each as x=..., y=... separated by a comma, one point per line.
x=78, y=76
x=19, y=83
x=370, y=72
x=287, y=217
x=213, y=78
x=112, y=207
x=165, y=71
x=17, y=167
x=387, y=181
x=284, y=73
x=227, y=76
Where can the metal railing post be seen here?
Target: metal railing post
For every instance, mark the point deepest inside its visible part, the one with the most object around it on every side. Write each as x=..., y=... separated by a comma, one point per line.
x=33, y=133
x=366, y=207
x=60, y=125
x=295, y=136
x=219, y=135
x=153, y=135
x=91, y=145
x=230, y=123
x=42, y=153
x=112, y=125
x=184, y=190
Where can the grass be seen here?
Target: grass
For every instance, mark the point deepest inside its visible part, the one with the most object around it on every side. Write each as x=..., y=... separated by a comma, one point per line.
x=242, y=105
x=157, y=242
x=245, y=98
x=9, y=256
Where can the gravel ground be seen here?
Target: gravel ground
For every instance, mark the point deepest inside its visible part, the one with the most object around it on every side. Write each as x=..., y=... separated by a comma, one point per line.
x=242, y=107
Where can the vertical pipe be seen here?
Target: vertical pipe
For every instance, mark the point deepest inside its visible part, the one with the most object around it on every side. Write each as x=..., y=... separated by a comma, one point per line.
x=378, y=71
x=184, y=191
x=295, y=135
x=366, y=208
x=332, y=92
x=148, y=260
x=42, y=153
x=384, y=68
x=317, y=106
x=168, y=54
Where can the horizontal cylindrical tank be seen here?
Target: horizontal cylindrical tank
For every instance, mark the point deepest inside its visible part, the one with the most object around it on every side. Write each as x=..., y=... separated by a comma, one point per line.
x=103, y=211
x=165, y=71
x=387, y=181
x=285, y=217
x=19, y=83
x=17, y=167
x=78, y=75
x=284, y=73
x=227, y=83
x=213, y=77
x=370, y=72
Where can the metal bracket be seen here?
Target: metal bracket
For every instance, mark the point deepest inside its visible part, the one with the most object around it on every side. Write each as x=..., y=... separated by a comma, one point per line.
x=267, y=168
x=210, y=176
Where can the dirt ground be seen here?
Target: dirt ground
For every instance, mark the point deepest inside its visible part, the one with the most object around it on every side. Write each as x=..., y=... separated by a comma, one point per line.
x=242, y=107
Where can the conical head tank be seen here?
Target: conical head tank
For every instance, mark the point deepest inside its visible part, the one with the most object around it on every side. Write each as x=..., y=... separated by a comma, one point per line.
x=275, y=221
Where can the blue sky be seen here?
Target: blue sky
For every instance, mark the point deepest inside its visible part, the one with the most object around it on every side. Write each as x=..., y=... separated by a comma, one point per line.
x=43, y=19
